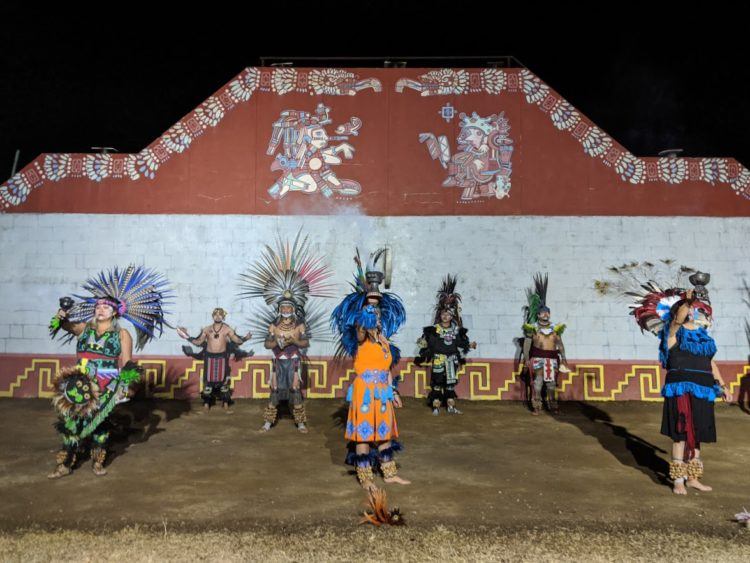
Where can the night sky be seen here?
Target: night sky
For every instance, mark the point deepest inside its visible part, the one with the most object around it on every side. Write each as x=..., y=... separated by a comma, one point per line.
x=73, y=78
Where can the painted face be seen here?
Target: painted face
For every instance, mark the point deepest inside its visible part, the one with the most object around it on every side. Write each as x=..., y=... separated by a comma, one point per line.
x=472, y=136
x=286, y=311
x=543, y=316
x=372, y=306
x=218, y=317
x=700, y=318
x=103, y=311
x=446, y=316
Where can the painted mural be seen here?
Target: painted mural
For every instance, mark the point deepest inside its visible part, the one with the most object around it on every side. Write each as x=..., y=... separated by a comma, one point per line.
x=305, y=154
x=481, y=166
x=388, y=139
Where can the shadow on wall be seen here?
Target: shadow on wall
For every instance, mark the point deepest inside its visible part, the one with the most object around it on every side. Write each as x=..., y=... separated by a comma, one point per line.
x=525, y=377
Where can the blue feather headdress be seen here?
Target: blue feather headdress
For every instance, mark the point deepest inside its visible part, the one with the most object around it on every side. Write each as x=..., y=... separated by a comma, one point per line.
x=137, y=294
x=353, y=310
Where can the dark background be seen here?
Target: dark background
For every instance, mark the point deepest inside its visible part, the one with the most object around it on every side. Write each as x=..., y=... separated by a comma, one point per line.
x=653, y=78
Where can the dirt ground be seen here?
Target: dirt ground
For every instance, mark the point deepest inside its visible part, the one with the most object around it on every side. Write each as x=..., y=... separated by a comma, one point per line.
x=587, y=484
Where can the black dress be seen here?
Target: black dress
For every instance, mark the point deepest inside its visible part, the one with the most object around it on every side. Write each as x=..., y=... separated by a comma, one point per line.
x=453, y=345
x=689, y=373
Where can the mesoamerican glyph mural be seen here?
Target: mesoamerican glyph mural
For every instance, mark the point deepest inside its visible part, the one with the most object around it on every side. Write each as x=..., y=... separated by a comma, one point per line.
x=398, y=142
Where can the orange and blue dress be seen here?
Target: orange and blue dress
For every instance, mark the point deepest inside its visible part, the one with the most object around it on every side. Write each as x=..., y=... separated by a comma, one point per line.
x=371, y=414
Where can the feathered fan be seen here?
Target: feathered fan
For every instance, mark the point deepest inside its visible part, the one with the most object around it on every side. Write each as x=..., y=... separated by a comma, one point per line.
x=138, y=295
x=288, y=271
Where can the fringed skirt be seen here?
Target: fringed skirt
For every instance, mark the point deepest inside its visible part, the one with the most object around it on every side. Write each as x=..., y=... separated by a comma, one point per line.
x=689, y=406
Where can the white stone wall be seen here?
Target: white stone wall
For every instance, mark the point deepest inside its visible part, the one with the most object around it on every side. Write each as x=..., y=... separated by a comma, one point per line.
x=43, y=257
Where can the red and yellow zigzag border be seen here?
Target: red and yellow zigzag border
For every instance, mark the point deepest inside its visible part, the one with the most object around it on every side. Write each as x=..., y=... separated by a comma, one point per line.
x=26, y=376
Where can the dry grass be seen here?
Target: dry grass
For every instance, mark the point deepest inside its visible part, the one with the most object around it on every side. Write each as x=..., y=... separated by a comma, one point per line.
x=356, y=543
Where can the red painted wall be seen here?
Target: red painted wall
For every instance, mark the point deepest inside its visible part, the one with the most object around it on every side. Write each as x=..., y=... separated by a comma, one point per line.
x=28, y=376
x=225, y=169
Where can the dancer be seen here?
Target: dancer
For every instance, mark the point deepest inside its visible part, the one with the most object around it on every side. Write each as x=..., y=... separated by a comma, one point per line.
x=286, y=277
x=218, y=342
x=86, y=393
x=364, y=321
x=680, y=318
x=445, y=345
x=543, y=349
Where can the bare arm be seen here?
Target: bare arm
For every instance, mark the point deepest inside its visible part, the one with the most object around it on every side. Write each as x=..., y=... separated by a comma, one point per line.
x=126, y=344
x=717, y=377
x=270, y=342
x=300, y=338
x=238, y=339
x=717, y=373
x=397, y=402
x=526, y=350
x=561, y=349
x=200, y=340
x=680, y=317
x=182, y=332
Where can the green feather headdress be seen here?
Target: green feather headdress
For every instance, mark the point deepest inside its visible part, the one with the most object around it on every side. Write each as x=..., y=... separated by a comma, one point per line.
x=536, y=297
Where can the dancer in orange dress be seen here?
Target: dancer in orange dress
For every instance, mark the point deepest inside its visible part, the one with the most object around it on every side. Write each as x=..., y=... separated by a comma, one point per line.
x=365, y=320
